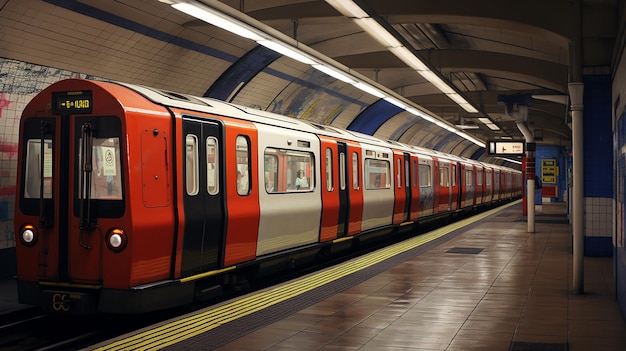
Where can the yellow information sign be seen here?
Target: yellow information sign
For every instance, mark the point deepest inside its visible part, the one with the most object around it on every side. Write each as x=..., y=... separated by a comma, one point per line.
x=549, y=171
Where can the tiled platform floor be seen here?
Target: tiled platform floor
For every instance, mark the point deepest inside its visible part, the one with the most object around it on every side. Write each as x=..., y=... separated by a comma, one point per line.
x=516, y=294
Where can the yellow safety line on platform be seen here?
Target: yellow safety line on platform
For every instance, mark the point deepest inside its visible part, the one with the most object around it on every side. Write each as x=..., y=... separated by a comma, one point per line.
x=177, y=331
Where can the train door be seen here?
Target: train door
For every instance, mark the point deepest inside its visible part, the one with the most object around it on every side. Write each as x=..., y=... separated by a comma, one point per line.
x=203, y=198
x=427, y=193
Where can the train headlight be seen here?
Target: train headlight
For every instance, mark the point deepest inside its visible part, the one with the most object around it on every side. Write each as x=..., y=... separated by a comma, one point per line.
x=116, y=239
x=29, y=235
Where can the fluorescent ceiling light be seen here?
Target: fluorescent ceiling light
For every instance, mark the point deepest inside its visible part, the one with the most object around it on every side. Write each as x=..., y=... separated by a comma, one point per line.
x=369, y=89
x=468, y=126
x=348, y=8
x=434, y=79
x=334, y=73
x=407, y=57
x=217, y=19
x=492, y=126
x=462, y=102
x=379, y=33
x=489, y=123
x=396, y=102
x=287, y=51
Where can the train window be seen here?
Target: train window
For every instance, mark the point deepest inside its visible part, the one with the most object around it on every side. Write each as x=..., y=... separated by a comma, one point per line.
x=444, y=176
x=191, y=164
x=488, y=181
x=399, y=173
x=453, y=174
x=355, y=171
x=329, y=169
x=342, y=171
x=106, y=180
x=299, y=170
x=289, y=170
x=415, y=173
x=424, y=175
x=377, y=174
x=407, y=182
x=479, y=177
x=271, y=173
x=32, y=178
x=469, y=177
x=243, y=161
x=212, y=174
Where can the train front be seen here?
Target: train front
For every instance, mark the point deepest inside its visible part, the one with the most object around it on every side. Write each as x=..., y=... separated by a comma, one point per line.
x=74, y=221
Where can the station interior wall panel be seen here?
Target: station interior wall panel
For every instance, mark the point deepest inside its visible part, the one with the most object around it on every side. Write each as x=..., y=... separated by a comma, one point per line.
x=598, y=165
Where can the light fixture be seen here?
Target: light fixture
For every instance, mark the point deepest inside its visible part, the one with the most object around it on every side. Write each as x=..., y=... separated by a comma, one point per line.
x=348, y=8
x=223, y=16
x=334, y=73
x=407, y=57
x=395, y=102
x=383, y=36
x=287, y=51
x=216, y=18
x=374, y=29
x=489, y=123
x=369, y=89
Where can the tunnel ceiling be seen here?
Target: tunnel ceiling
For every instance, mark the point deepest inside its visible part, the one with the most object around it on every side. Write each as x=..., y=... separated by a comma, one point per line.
x=485, y=49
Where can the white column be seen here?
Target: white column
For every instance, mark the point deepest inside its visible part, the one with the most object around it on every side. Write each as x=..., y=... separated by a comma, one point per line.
x=578, y=197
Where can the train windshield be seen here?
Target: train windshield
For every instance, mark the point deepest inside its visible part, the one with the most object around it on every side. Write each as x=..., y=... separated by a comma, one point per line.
x=38, y=163
x=106, y=177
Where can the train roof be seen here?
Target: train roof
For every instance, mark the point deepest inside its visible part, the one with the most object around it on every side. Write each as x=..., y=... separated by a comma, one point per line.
x=222, y=108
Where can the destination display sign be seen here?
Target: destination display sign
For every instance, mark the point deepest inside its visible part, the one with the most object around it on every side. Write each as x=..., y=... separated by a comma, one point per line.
x=72, y=102
x=505, y=147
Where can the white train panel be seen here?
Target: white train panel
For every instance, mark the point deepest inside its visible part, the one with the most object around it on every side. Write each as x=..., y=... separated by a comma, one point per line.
x=378, y=182
x=289, y=197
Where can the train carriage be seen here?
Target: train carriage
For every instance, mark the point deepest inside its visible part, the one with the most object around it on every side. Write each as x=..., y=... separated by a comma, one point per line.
x=134, y=199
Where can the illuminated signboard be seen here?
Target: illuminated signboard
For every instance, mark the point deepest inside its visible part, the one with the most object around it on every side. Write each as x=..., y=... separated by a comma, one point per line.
x=508, y=148
x=72, y=102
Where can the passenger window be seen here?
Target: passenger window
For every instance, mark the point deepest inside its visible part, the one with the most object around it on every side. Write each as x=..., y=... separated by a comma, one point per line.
x=288, y=170
x=299, y=170
x=479, y=177
x=415, y=173
x=377, y=174
x=469, y=177
x=32, y=178
x=444, y=179
x=424, y=175
x=342, y=171
x=355, y=171
x=329, y=169
x=488, y=181
x=243, y=157
x=399, y=173
x=453, y=175
x=191, y=164
x=212, y=174
x=407, y=181
x=271, y=173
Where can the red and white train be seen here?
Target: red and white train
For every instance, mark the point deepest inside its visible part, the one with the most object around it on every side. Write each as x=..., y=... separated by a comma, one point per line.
x=132, y=199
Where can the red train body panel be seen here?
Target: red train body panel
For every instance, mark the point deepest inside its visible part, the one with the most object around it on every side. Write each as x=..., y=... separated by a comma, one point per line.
x=133, y=199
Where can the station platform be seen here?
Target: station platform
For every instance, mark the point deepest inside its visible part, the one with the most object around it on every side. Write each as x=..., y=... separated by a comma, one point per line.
x=483, y=283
